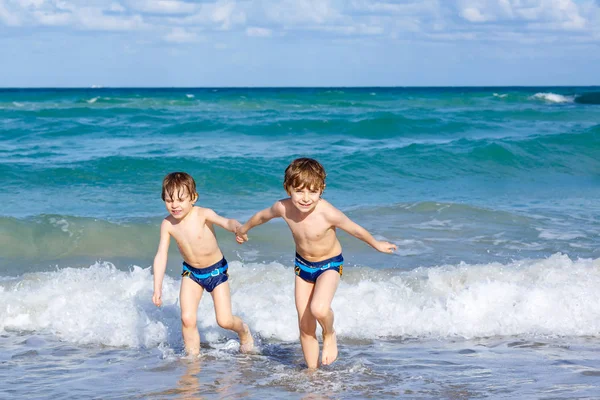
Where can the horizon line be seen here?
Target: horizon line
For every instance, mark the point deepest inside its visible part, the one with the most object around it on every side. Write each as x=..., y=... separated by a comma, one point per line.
x=96, y=87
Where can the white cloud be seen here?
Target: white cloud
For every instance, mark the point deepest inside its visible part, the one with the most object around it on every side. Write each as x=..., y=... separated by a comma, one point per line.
x=253, y=31
x=472, y=14
x=181, y=35
x=7, y=17
x=391, y=19
x=53, y=19
x=116, y=7
x=558, y=13
x=32, y=3
x=162, y=6
x=299, y=12
x=226, y=15
x=95, y=19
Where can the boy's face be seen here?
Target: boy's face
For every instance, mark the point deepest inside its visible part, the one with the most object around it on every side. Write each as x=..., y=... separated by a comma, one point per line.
x=305, y=199
x=181, y=204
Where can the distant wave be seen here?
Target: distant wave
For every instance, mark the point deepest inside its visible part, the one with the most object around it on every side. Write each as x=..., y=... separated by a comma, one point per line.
x=553, y=97
x=588, y=98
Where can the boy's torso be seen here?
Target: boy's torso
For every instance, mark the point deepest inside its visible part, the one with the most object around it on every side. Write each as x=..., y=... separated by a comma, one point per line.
x=313, y=234
x=196, y=239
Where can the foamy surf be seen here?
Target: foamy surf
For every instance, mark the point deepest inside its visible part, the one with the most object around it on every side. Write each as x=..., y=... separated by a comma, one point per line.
x=553, y=98
x=101, y=305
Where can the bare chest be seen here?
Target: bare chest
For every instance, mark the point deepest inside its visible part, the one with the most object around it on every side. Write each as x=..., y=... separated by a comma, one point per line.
x=195, y=233
x=310, y=230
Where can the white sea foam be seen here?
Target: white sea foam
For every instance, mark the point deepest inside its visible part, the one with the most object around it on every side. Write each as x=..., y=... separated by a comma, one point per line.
x=502, y=96
x=63, y=224
x=554, y=235
x=435, y=224
x=189, y=96
x=553, y=98
x=556, y=296
x=93, y=100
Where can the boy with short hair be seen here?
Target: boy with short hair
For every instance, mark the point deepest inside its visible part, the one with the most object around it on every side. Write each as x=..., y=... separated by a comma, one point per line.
x=204, y=266
x=318, y=266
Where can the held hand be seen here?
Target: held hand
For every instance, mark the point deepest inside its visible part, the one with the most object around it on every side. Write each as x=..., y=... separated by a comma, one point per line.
x=156, y=299
x=235, y=225
x=386, y=247
x=240, y=235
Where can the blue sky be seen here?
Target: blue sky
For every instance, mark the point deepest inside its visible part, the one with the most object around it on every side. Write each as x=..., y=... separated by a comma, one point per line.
x=81, y=43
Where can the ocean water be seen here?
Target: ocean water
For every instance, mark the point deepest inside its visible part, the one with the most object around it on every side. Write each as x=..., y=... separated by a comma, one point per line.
x=491, y=195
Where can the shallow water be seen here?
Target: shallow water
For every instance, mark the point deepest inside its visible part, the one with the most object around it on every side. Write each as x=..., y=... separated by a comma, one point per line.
x=40, y=367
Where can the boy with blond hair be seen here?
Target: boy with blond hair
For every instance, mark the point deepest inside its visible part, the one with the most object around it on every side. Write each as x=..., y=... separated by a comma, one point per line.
x=318, y=265
x=204, y=266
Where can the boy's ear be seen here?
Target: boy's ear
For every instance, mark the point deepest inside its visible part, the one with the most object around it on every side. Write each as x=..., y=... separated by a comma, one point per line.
x=195, y=198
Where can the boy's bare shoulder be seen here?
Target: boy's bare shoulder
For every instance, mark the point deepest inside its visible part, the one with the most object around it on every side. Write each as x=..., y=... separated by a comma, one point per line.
x=167, y=224
x=326, y=206
x=281, y=205
x=284, y=202
x=201, y=210
x=327, y=209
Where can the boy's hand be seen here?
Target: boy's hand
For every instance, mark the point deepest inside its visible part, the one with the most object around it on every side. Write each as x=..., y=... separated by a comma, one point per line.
x=235, y=224
x=386, y=247
x=240, y=235
x=156, y=299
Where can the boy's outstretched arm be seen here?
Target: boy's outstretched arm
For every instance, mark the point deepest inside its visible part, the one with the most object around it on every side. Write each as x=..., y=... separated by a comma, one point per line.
x=160, y=262
x=276, y=210
x=226, y=223
x=340, y=220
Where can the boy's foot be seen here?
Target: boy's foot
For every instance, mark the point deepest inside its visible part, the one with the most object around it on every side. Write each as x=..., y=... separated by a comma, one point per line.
x=246, y=340
x=330, y=350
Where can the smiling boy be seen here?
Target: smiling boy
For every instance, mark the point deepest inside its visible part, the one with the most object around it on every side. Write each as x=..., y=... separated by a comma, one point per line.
x=204, y=267
x=319, y=262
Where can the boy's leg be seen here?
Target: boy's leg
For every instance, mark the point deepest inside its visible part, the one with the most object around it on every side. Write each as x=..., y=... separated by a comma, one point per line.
x=225, y=318
x=320, y=307
x=189, y=298
x=307, y=322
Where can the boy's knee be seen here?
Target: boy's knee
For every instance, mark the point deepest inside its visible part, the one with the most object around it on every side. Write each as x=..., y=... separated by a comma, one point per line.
x=225, y=322
x=320, y=311
x=308, y=328
x=188, y=320
x=308, y=332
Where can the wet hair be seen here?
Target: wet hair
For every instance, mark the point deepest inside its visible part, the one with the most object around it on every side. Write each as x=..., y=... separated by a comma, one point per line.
x=175, y=182
x=304, y=173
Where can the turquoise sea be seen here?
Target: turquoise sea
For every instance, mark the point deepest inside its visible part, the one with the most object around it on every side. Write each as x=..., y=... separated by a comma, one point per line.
x=491, y=195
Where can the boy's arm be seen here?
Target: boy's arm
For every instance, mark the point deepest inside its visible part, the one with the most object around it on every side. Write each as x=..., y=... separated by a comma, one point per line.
x=276, y=210
x=340, y=220
x=226, y=223
x=160, y=262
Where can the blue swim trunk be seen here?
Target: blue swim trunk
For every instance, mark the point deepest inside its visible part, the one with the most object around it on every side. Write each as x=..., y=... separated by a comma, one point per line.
x=310, y=271
x=210, y=277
